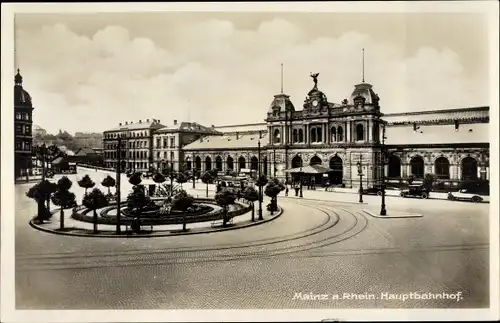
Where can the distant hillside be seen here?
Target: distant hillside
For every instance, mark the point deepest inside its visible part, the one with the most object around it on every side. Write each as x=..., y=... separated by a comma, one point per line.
x=63, y=138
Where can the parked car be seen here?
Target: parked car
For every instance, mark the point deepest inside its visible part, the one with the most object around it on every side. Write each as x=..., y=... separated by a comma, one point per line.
x=415, y=191
x=373, y=190
x=464, y=195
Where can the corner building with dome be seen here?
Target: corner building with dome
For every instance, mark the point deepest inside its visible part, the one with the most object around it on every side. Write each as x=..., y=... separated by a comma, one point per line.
x=347, y=139
x=23, y=124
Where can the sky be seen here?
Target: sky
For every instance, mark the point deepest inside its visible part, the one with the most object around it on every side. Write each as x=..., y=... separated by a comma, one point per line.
x=89, y=72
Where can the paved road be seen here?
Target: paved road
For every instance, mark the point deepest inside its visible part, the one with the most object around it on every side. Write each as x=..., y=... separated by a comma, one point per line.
x=319, y=247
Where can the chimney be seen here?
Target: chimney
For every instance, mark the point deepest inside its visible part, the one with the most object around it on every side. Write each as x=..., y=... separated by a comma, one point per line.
x=126, y=122
x=213, y=127
x=158, y=121
x=175, y=122
x=120, y=124
x=140, y=121
x=147, y=120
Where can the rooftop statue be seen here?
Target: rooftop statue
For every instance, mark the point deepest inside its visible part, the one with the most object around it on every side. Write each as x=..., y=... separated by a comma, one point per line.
x=315, y=79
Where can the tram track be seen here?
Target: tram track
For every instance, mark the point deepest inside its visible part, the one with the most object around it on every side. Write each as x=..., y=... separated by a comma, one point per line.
x=298, y=245
x=292, y=244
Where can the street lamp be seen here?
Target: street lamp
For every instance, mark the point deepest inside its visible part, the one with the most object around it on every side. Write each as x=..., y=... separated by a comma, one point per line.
x=301, y=177
x=260, y=186
x=118, y=184
x=360, y=173
x=384, y=160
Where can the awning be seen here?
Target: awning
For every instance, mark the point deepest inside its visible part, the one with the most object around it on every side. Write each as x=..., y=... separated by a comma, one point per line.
x=311, y=169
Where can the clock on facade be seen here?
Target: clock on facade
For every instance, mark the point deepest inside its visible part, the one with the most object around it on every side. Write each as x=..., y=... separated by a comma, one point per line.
x=315, y=103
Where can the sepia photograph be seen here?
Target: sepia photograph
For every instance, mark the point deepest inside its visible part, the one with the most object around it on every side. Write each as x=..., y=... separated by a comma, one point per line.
x=223, y=159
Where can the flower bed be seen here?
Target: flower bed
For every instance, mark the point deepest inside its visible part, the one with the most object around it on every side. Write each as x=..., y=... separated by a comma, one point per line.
x=87, y=215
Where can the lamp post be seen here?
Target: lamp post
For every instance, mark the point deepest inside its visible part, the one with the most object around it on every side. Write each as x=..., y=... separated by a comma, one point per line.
x=260, y=186
x=171, y=178
x=274, y=162
x=194, y=171
x=383, y=158
x=301, y=177
x=118, y=185
x=360, y=173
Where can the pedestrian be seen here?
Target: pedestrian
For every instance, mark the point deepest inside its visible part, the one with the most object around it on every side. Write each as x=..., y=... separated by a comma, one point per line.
x=286, y=190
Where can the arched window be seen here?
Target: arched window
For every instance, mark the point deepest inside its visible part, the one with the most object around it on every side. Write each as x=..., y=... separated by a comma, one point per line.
x=301, y=135
x=469, y=168
x=340, y=134
x=360, y=132
x=296, y=162
x=264, y=166
x=188, y=163
x=241, y=162
x=394, y=166
x=442, y=168
x=208, y=163
x=230, y=162
x=197, y=163
x=254, y=163
x=319, y=134
x=333, y=133
x=218, y=163
x=315, y=161
x=295, y=135
x=336, y=175
x=417, y=167
x=276, y=136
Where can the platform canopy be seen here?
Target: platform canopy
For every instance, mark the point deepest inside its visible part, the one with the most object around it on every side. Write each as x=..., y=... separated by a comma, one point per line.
x=311, y=169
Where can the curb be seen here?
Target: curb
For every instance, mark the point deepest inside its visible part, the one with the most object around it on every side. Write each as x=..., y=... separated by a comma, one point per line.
x=251, y=224
x=322, y=200
x=410, y=215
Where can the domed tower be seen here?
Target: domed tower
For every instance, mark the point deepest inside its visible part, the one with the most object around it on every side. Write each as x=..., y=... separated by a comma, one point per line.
x=23, y=123
x=279, y=117
x=315, y=100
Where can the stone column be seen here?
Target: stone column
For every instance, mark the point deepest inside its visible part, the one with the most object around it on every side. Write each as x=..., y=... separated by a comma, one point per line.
x=368, y=132
x=347, y=131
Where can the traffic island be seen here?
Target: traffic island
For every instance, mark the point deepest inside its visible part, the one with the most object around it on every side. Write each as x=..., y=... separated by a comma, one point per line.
x=393, y=214
x=85, y=229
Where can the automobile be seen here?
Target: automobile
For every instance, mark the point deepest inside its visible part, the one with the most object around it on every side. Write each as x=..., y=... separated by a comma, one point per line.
x=373, y=190
x=415, y=191
x=464, y=195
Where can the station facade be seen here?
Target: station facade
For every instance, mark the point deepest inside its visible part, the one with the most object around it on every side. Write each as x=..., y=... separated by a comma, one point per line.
x=345, y=137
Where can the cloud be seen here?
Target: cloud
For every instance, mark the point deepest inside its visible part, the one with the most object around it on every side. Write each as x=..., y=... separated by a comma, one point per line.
x=218, y=74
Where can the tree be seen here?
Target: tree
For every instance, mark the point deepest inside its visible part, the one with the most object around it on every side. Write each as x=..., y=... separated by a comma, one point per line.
x=273, y=188
x=135, y=179
x=250, y=194
x=108, y=182
x=63, y=197
x=225, y=198
x=93, y=201
x=159, y=178
x=429, y=180
x=136, y=201
x=86, y=183
x=207, y=178
x=182, y=201
x=41, y=192
x=181, y=178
